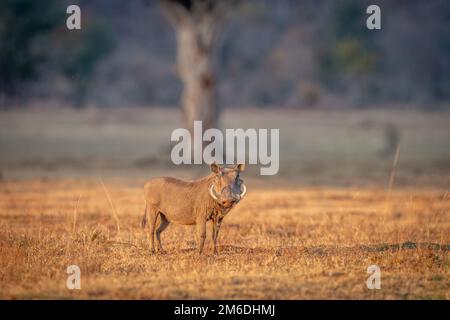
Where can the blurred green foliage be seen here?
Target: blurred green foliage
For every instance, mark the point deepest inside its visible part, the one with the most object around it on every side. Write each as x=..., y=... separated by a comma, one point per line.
x=82, y=50
x=33, y=36
x=349, y=56
x=350, y=49
x=352, y=57
x=268, y=53
x=24, y=29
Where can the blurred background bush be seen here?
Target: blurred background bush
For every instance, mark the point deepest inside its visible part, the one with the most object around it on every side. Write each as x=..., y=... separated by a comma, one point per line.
x=285, y=53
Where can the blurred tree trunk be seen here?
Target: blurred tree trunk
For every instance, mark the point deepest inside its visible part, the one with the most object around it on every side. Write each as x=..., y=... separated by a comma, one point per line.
x=198, y=100
x=195, y=23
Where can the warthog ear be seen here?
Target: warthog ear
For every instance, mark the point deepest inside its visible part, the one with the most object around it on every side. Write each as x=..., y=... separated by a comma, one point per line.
x=241, y=167
x=215, y=168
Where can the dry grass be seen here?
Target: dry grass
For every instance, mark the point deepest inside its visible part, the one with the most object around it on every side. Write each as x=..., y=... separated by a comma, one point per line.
x=285, y=244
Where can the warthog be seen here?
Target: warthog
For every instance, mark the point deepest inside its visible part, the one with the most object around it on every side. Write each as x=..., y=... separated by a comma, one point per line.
x=192, y=202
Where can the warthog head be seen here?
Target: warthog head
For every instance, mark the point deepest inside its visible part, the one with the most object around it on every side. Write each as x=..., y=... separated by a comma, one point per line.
x=227, y=188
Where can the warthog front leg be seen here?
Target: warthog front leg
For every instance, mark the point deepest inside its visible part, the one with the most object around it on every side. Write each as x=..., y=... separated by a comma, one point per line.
x=201, y=234
x=215, y=232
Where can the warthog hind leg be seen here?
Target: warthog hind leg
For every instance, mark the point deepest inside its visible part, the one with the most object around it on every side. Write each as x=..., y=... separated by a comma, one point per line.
x=152, y=216
x=164, y=223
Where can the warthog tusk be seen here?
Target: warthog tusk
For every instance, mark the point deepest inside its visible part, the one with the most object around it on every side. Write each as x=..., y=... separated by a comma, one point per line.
x=243, y=192
x=211, y=192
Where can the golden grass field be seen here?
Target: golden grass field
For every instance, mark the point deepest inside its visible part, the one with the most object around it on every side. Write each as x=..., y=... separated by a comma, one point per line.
x=310, y=234
x=284, y=244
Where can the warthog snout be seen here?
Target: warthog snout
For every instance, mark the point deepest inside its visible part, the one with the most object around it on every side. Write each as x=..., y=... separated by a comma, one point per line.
x=228, y=188
x=229, y=198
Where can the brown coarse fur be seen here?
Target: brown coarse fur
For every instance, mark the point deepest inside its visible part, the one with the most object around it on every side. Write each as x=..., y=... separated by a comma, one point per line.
x=182, y=202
